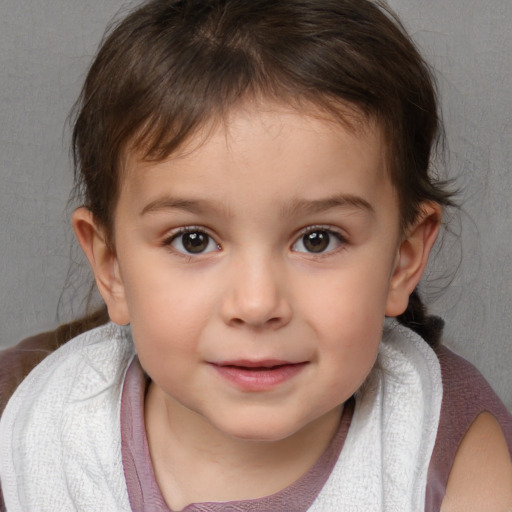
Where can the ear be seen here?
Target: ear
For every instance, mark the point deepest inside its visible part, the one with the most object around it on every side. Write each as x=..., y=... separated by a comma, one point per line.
x=412, y=257
x=104, y=264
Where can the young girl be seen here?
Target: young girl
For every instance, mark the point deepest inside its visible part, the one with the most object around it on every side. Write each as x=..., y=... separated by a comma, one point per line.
x=257, y=210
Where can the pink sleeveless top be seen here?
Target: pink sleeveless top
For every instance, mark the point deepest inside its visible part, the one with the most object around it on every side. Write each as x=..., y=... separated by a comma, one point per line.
x=466, y=394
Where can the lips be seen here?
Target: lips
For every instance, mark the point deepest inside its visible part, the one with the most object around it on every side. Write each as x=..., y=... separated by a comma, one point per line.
x=258, y=375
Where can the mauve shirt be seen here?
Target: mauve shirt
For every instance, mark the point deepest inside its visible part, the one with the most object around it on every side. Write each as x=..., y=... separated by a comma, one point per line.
x=466, y=394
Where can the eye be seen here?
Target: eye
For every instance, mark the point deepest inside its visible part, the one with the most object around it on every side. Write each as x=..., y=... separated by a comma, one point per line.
x=192, y=241
x=317, y=241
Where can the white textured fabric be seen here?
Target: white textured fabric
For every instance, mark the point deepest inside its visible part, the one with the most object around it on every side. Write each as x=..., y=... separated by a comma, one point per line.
x=60, y=446
x=60, y=436
x=384, y=463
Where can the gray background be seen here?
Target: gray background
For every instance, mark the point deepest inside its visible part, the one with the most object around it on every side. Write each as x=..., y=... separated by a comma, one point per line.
x=45, y=48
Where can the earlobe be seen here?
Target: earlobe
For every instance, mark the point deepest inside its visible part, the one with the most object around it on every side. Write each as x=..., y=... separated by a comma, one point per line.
x=104, y=264
x=412, y=257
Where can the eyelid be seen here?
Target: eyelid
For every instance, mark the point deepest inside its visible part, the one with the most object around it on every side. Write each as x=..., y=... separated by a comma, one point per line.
x=174, y=233
x=322, y=227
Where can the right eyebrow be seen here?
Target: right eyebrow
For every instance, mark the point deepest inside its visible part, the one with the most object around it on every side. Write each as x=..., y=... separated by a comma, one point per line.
x=189, y=205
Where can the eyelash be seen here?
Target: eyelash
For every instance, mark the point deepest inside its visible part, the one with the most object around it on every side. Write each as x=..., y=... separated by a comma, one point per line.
x=300, y=239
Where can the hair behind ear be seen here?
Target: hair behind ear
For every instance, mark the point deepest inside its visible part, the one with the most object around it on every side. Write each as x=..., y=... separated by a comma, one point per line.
x=429, y=327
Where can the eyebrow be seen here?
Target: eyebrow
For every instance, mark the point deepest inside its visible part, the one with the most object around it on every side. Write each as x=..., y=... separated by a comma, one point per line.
x=302, y=206
x=189, y=205
x=344, y=201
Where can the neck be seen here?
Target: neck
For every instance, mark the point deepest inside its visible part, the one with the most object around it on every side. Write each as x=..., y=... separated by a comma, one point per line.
x=194, y=462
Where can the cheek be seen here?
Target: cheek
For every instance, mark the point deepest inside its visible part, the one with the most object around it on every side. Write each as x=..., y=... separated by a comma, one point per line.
x=156, y=292
x=348, y=302
x=167, y=319
x=347, y=318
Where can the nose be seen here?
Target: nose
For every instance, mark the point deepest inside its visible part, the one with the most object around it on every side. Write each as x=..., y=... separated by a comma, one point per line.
x=255, y=295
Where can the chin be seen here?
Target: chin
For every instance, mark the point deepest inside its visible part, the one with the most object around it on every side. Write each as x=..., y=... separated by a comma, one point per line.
x=263, y=430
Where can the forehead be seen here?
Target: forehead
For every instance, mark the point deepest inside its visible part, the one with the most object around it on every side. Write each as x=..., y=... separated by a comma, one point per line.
x=153, y=145
x=275, y=150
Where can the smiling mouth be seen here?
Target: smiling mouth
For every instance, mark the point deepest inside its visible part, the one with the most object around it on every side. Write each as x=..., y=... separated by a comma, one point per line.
x=265, y=364
x=258, y=375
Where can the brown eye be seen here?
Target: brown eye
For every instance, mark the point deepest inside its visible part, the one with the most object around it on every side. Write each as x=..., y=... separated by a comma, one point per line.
x=193, y=242
x=318, y=241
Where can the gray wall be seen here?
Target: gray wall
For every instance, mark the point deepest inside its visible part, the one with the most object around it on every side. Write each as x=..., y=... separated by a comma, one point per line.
x=44, y=50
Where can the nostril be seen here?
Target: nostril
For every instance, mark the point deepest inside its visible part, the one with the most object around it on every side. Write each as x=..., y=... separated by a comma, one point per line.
x=273, y=323
x=237, y=322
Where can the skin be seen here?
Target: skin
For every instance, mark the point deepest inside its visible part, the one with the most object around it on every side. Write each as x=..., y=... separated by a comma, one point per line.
x=255, y=188
x=481, y=476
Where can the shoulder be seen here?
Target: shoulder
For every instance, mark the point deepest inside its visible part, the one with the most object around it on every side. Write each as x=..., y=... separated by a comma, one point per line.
x=86, y=364
x=481, y=475
x=74, y=393
x=101, y=350
x=18, y=361
x=471, y=411
x=466, y=394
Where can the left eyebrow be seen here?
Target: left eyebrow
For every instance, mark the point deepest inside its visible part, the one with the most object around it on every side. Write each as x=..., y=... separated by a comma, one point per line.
x=343, y=201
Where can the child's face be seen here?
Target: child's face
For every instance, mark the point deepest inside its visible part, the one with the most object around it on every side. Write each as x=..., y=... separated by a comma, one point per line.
x=256, y=270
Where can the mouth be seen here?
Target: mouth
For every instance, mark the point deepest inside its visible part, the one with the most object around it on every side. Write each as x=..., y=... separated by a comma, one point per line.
x=263, y=364
x=258, y=375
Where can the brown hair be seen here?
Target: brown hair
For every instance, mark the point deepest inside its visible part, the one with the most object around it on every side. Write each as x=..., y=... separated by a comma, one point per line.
x=172, y=65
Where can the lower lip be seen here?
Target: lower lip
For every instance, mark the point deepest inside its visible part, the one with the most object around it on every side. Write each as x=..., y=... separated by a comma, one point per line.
x=259, y=379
